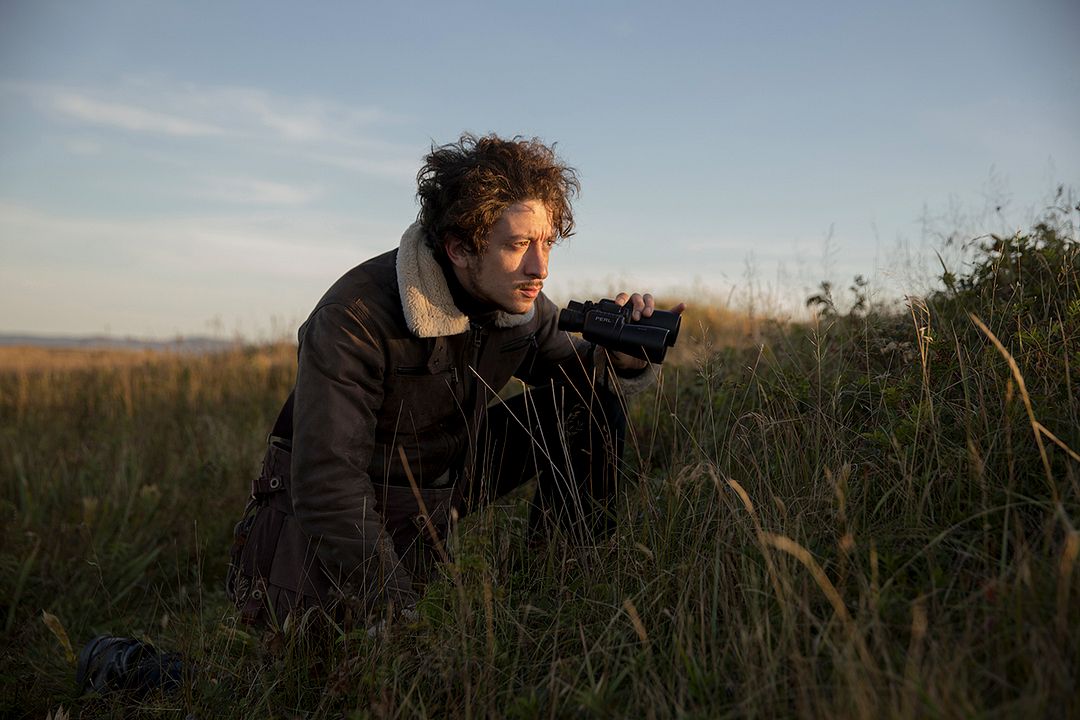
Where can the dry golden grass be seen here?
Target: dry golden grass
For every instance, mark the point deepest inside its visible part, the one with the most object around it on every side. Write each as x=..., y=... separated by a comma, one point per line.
x=811, y=523
x=709, y=323
x=28, y=358
x=34, y=358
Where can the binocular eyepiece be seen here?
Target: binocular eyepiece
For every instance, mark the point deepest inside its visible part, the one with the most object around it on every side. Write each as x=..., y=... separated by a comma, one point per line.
x=612, y=325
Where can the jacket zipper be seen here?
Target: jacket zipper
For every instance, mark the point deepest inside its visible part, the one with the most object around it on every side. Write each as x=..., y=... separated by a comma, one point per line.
x=515, y=345
x=472, y=380
x=478, y=338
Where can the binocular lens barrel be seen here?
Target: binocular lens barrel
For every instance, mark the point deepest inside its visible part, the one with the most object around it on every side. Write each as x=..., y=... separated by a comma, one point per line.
x=608, y=324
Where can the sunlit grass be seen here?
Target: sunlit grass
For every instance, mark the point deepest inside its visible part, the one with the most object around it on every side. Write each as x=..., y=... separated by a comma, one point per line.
x=855, y=517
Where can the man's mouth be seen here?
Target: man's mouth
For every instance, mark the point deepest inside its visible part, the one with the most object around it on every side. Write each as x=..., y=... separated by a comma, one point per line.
x=531, y=290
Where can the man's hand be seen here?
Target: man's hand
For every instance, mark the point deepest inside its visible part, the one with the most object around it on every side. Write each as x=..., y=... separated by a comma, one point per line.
x=643, y=306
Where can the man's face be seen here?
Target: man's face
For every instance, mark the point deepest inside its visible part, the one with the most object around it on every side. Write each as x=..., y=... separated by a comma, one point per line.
x=511, y=271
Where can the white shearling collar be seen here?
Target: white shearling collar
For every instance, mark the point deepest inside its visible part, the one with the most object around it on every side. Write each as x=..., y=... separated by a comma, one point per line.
x=425, y=297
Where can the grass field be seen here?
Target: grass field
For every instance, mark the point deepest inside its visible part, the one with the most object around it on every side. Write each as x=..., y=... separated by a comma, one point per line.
x=872, y=515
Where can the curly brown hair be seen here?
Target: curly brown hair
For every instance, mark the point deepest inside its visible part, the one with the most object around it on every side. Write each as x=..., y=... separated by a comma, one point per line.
x=464, y=187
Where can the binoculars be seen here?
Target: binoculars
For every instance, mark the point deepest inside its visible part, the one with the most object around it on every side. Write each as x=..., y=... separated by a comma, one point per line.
x=611, y=325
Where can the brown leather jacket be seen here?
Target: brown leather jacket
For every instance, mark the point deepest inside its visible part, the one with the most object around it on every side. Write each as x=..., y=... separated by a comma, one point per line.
x=389, y=364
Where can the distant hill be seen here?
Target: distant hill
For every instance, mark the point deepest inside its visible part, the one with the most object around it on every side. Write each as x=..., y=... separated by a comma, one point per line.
x=192, y=345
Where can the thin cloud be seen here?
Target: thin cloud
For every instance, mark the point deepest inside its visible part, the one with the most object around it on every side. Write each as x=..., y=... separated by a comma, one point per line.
x=251, y=110
x=310, y=129
x=82, y=146
x=126, y=117
x=254, y=191
x=401, y=169
x=253, y=245
x=254, y=110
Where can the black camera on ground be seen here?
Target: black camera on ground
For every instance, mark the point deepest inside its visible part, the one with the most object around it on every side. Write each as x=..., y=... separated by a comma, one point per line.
x=611, y=325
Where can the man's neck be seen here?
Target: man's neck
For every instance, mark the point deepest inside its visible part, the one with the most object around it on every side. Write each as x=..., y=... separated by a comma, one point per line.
x=463, y=299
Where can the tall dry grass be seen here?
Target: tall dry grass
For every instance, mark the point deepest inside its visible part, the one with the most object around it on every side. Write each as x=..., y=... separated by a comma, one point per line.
x=871, y=515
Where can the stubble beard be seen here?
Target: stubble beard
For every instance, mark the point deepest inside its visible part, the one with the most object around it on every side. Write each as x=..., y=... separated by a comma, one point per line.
x=477, y=289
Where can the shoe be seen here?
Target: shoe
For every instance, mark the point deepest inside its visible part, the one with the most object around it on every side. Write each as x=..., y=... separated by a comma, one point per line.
x=109, y=663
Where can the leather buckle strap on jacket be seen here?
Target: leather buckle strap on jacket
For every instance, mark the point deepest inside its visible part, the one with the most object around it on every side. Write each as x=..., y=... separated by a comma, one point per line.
x=282, y=442
x=273, y=566
x=274, y=476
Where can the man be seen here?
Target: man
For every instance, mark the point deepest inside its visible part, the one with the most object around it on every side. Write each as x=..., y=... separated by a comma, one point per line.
x=394, y=426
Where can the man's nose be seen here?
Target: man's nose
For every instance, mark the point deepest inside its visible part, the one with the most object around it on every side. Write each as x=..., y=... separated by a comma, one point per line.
x=536, y=261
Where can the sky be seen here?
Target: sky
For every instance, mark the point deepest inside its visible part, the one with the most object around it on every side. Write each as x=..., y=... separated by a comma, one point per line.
x=207, y=168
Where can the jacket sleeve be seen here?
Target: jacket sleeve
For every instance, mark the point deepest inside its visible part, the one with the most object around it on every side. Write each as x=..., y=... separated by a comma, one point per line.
x=562, y=357
x=339, y=389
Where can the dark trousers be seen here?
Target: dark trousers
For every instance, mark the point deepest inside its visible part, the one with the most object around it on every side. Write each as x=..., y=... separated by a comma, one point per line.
x=571, y=442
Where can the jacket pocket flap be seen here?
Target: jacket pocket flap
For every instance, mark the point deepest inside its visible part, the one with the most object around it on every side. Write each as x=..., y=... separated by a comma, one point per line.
x=295, y=566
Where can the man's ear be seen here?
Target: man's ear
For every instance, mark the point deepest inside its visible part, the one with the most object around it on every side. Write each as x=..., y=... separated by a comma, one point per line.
x=456, y=250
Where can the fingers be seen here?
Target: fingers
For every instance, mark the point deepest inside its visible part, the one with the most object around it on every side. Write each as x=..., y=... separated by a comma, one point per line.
x=678, y=309
x=648, y=305
x=643, y=305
